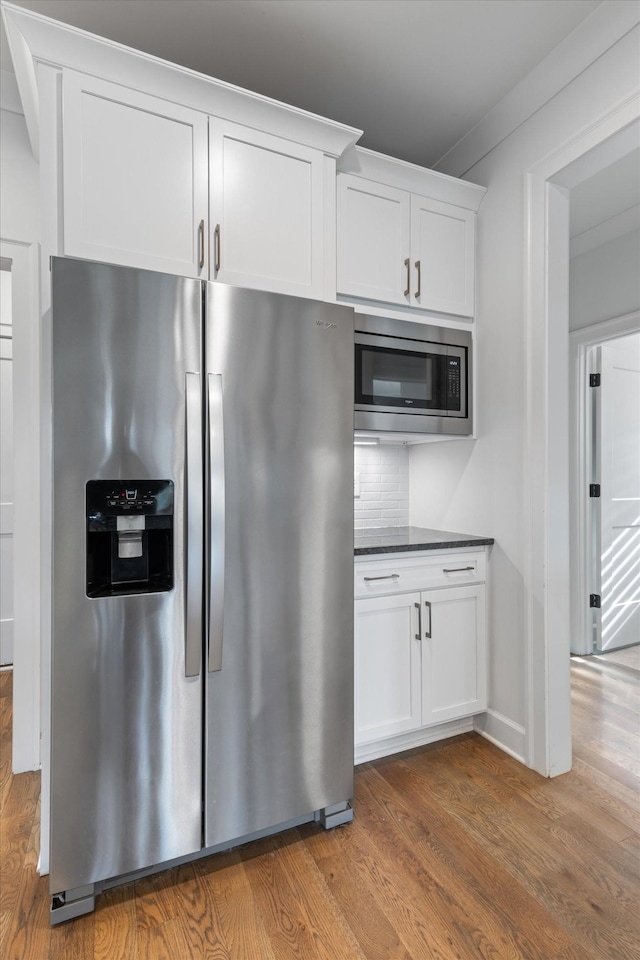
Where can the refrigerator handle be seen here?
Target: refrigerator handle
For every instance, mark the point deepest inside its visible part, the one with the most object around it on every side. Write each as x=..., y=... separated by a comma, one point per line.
x=193, y=527
x=216, y=520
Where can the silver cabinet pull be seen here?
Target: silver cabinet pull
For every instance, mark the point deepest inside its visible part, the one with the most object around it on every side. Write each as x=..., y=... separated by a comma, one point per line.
x=419, y=279
x=407, y=264
x=216, y=248
x=201, y=244
x=418, y=635
x=193, y=510
x=456, y=569
x=216, y=520
x=427, y=633
x=390, y=576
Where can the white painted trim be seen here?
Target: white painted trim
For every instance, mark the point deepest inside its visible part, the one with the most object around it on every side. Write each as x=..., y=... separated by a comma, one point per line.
x=408, y=176
x=330, y=236
x=623, y=223
x=26, y=531
x=502, y=732
x=9, y=96
x=408, y=741
x=50, y=86
x=25, y=73
x=608, y=23
x=36, y=39
x=580, y=342
x=546, y=470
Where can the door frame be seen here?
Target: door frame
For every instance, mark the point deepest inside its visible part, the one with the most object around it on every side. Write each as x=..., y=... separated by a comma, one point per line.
x=580, y=343
x=546, y=558
x=25, y=260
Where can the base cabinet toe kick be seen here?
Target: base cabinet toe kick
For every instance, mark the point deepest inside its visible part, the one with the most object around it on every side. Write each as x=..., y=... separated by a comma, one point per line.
x=420, y=648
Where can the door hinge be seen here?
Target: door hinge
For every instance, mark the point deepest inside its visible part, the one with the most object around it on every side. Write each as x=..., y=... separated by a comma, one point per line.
x=594, y=600
x=594, y=379
x=594, y=489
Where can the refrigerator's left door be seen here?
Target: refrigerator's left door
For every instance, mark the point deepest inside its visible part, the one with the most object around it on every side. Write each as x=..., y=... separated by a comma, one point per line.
x=126, y=738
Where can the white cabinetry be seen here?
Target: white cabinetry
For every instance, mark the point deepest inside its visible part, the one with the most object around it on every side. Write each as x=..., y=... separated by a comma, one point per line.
x=267, y=211
x=155, y=185
x=454, y=680
x=135, y=178
x=404, y=248
x=420, y=654
x=387, y=667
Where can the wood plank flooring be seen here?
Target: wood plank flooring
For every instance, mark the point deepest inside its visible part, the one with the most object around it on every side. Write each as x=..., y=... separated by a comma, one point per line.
x=456, y=851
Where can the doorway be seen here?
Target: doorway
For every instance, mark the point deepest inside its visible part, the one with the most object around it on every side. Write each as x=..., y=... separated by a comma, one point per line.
x=614, y=455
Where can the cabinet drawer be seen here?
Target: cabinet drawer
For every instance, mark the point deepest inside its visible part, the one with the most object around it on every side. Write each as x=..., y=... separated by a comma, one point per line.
x=388, y=575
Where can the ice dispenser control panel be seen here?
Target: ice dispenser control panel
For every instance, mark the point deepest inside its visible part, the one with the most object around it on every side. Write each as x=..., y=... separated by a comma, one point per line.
x=129, y=537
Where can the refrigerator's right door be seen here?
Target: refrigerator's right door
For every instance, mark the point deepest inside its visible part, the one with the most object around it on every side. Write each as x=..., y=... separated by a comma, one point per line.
x=279, y=695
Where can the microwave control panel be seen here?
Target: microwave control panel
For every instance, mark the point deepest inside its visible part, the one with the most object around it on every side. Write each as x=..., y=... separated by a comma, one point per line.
x=453, y=383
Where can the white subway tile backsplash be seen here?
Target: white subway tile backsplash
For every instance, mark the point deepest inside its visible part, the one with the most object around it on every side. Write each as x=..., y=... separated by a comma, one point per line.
x=384, y=486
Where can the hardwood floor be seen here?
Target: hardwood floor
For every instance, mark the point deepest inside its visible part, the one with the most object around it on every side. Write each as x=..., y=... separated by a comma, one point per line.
x=457, y=851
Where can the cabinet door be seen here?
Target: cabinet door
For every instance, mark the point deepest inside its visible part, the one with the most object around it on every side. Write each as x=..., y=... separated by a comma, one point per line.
x=454, y=669
x=387, y=666
x=267, y=211
x=373, y=240
x=442, y=257
x=135, y=178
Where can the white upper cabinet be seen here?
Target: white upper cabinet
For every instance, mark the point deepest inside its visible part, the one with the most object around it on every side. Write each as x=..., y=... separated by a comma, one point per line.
x=373, y=240
x=135, y=178
x=443, y=256
x=403, y=248
x=267, y=224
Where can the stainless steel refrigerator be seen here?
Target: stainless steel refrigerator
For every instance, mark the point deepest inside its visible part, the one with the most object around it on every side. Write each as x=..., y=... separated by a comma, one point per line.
x=202, y=658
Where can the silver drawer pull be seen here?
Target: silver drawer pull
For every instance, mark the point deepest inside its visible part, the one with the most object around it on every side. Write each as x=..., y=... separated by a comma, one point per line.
x=390, y=576
x=456, y=569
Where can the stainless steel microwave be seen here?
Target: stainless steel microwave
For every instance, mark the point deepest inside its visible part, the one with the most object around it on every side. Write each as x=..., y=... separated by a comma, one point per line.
x=412, y=377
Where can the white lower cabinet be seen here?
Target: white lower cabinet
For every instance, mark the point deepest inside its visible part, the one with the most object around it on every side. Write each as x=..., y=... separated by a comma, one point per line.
x=388, y=697
x=420, y=662
x=454, y=681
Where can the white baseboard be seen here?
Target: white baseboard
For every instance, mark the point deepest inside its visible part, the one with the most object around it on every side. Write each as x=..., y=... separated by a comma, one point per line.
x=407, y=741
x=502, y=732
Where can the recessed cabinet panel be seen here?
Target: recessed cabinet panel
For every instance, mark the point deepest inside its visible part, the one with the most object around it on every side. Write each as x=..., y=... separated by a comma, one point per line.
x=266, y=211
x=442, y=243
x=387, y=667
x=135, y=177
x=373, y=240
x=453, y=656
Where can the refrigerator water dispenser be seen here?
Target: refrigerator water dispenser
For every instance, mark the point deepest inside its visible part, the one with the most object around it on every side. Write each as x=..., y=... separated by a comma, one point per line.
x=129, y=537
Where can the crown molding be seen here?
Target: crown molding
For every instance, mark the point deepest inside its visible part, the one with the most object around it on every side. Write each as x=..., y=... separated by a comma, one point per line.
x=608, y=23
x=361, y=162
x=35, y=39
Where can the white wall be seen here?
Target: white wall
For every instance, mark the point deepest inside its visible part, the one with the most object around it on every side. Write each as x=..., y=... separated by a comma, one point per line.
x=605, y=282
x=19, y=242
x=480, y=489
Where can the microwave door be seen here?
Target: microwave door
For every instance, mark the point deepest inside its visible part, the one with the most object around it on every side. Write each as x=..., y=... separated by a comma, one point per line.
x=391, y=379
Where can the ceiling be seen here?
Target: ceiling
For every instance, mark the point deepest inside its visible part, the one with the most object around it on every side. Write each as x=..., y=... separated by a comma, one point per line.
x=415, y=75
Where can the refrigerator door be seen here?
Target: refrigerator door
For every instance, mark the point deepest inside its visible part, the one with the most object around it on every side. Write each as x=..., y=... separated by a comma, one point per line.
x=279, y=688
x=126, y=780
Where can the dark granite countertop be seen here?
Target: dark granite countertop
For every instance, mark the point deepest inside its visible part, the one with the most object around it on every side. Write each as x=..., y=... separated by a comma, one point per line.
x=404, y=539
